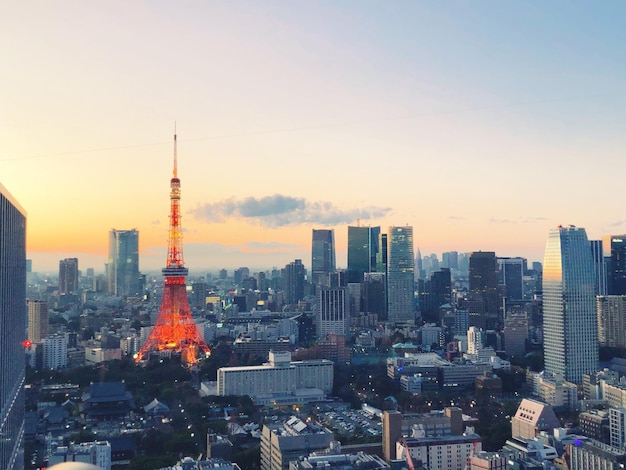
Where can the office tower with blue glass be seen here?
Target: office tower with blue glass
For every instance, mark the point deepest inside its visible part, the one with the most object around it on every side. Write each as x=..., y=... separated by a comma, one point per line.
x=12, y=330
x=322, y=256
x=363, y=247
x=570, y=322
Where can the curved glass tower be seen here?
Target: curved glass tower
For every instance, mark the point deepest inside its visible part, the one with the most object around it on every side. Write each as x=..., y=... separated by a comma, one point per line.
x=569, y=310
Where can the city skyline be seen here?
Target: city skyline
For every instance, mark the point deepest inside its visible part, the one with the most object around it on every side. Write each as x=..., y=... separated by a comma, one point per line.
x=467, y=123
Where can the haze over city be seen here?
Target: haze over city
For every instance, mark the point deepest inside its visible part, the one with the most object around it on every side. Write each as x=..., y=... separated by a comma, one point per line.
x=482, y=126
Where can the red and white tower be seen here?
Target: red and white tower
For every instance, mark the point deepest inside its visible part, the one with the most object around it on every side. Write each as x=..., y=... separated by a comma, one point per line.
x=175, y=329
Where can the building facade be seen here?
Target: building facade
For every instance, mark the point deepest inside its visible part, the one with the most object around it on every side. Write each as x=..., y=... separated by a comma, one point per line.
x=322, y=256
x=569, y=308
x=68, y=275
x=293, y=277
x=37, y=320
x=362, y=251
x=600, y=268
x=483, y=289
x=400, y=275
x=278, y=378
x=123, y=264
x=55, y=352
x=282, y=443
x=611, y=320
x=333, y=312
x=618, y=265
x=511, y=277
x=12, y=330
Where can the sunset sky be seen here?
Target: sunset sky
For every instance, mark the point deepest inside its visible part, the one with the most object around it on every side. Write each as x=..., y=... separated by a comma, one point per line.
x=482, y=124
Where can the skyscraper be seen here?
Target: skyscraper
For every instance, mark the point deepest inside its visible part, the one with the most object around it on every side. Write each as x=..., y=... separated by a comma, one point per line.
x=400, y=275
x=12, y=330
x=618, y=265
x=123, y=266
x=381, y=255
x=511, y=277
x=569, y=309
x=362, y=250
x=483, y=288
x=332, y=311
x=293, y=276
x=322, y=255
x=440, y=290
x=68, y=275
x=600, y=268
x=375, y=295
x=37, y=320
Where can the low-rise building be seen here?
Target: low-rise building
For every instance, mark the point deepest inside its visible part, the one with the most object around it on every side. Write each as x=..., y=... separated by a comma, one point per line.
x=96, y=453
x=278, y=381
x=284, y=442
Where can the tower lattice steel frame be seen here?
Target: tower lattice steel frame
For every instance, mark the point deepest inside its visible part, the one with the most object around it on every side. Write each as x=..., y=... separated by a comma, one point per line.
x=175, y=329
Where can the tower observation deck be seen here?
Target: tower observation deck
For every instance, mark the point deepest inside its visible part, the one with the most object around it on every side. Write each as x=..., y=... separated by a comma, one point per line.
x=175, y=330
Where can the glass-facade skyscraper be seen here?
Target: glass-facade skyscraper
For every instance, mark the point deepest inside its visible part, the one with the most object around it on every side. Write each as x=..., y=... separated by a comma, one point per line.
x=363, y=245
x=570, y=323
x=12, y=330
x=400, y=275
x=123, y=265
x=618, y=265
x=322, y=255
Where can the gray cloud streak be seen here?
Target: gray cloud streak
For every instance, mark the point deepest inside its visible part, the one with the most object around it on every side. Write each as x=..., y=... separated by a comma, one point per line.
x=280, y=210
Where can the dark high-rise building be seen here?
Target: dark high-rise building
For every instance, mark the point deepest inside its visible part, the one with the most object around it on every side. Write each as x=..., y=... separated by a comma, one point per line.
x=375, y=295
x=68, y=275
x=511, y=277
x=483, y=289
x=618, y=265
x=199, y=292
x=362, y=250
x=123, y=265
x=293, y=276
x=599, y=263
x=400, y=275
x=440, y=288
x=12, y=330
x=322, y=256
x=570, y=322
x=381, y=256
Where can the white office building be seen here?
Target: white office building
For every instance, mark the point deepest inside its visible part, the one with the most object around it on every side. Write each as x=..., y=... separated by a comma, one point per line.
x=279, y=378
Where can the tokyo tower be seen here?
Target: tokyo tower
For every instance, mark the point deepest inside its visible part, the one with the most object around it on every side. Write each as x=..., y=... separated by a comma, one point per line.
x=175, y=330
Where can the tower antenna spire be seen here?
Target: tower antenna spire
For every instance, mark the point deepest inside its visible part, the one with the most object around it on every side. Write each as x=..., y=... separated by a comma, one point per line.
x=175, y=153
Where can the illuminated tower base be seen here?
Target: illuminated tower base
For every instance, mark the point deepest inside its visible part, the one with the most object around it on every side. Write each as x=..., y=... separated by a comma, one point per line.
x=175, y=329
